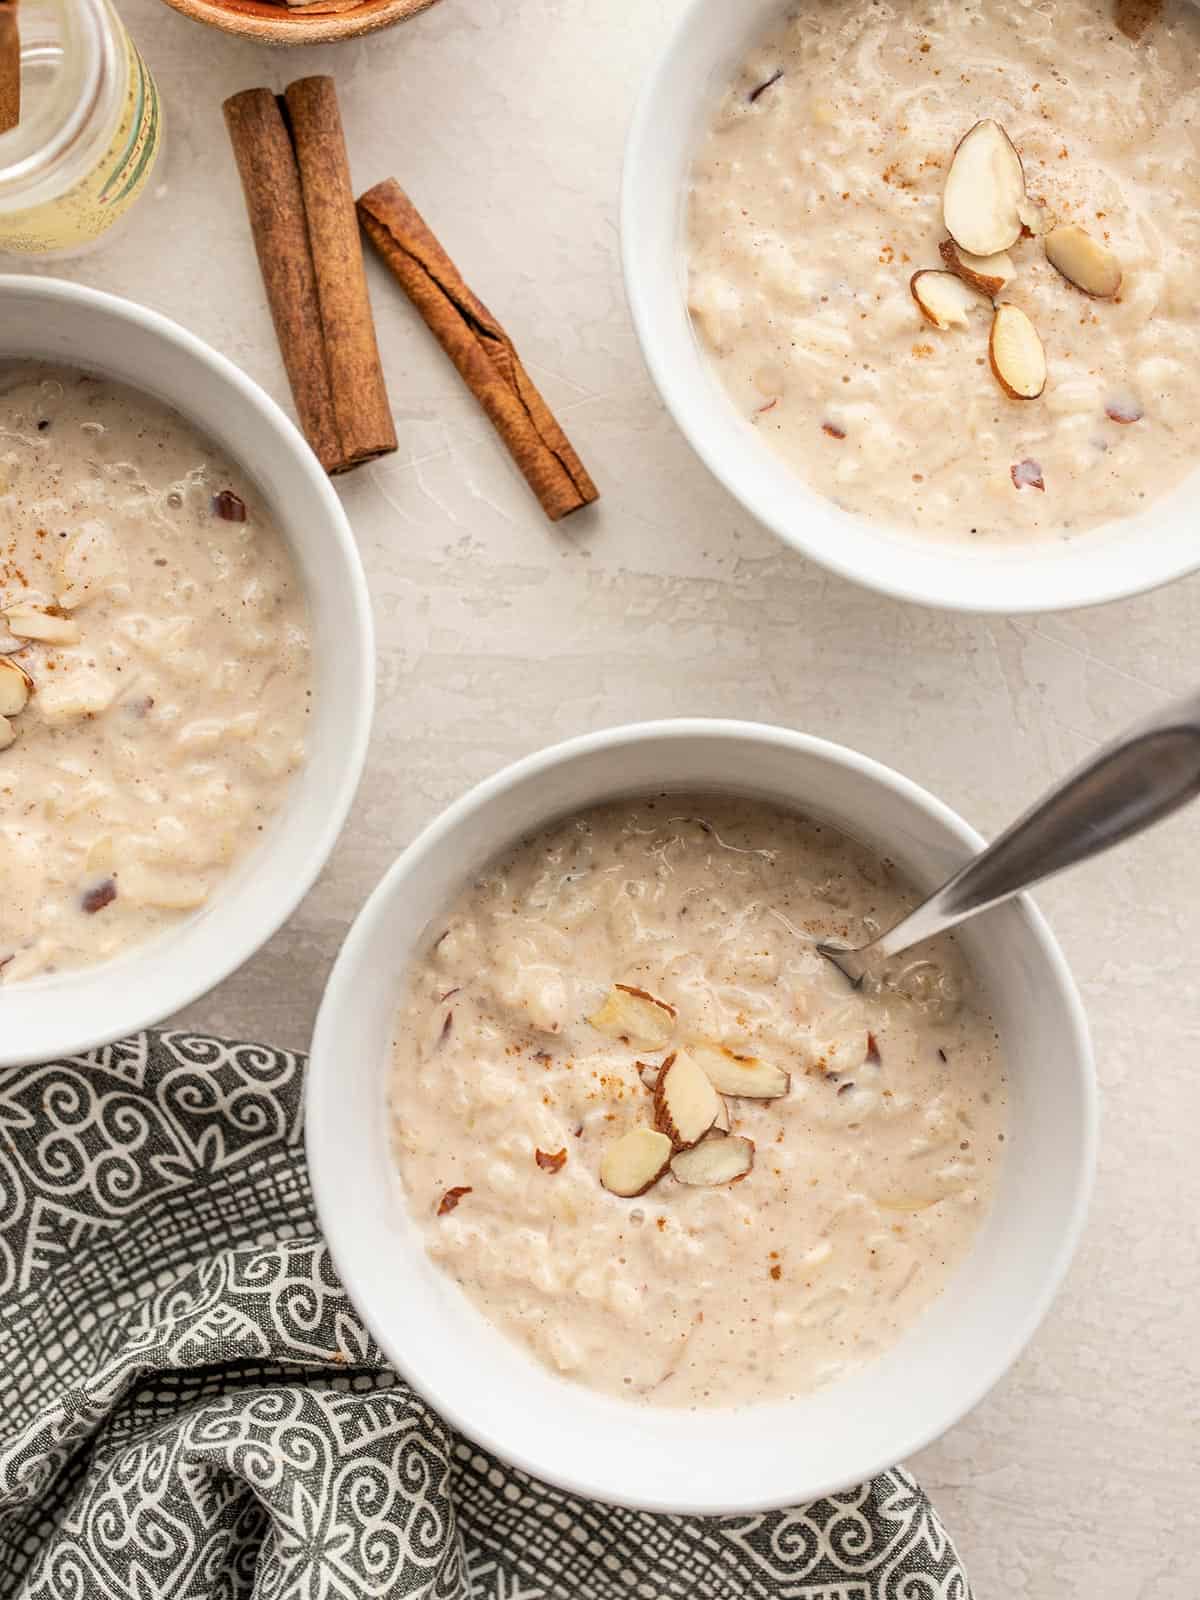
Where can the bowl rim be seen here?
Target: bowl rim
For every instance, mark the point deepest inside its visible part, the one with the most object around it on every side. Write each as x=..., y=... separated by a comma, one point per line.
x=289, y=29
x=1091, y=584
x=323, y=1059
x=242, y=944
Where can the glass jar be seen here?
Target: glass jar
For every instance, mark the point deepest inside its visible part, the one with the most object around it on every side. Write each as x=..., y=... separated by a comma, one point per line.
x=90, y=129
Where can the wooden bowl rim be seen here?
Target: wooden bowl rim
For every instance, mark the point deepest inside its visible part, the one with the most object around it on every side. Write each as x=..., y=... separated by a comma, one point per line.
x=287, y=28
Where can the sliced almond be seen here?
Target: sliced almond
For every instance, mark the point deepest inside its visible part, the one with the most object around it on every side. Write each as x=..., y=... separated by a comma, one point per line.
x=1016, y=352
x=715, y=1161
x=943, y=298
x=635, y=1017
x=635, y=1161
x=648, y=1073
x=15, y=684
x=722, y=1125
x=984, y=189
x=72, y=696
x=9, y=643
x=988, y=274
x=685, y=1103
x=1036, y=217
x=8, y=733
x=1082, y=261
x=34, y=622
x=744, y=1077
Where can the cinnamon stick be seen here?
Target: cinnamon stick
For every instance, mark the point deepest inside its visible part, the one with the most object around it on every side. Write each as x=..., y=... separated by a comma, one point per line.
x=485, y=356
x=360, y=402
x=271, y=183
x=296, y=182
x=10, y=66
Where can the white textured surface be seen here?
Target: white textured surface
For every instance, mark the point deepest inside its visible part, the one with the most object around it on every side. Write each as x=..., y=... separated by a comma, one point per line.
x=498, y=633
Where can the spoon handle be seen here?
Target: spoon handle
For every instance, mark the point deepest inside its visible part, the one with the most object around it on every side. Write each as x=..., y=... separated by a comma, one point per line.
x=1137, y=780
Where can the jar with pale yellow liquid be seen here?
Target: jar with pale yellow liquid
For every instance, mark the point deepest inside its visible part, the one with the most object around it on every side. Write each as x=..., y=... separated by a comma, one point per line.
x=90, y=131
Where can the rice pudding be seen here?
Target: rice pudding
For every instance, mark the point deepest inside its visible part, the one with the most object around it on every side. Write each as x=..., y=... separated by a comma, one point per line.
x=154, y=668
x=818, y=192
x=657, y=1138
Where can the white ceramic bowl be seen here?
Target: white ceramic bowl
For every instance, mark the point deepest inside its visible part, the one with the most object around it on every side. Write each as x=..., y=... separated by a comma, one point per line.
x=68, y=1012
x=1050, y=574
x=722, y=1460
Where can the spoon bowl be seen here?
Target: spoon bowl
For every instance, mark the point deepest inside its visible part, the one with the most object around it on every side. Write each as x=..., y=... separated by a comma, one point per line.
x=1138, y=779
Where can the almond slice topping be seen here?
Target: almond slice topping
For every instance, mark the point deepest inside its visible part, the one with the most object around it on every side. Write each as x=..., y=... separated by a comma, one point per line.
x=1036, y=217
x=744, y=1077
x=722, y=1125
x=988, y=274
x=1088, y=265
x=15, y=684
x=715, y=1161
x=1016, y=352
x=984, y=190
x=648, y=1073
x=635, y=1017
x=8, y=733
x=685, y=1103
x=634, y=1162
x=943, y=298
x=34, y=622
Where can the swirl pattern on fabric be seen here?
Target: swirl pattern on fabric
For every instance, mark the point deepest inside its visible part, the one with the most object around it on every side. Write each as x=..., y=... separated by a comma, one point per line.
x=191, y=1407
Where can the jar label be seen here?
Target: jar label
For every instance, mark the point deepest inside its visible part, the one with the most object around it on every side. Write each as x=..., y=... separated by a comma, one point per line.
x=95, y=201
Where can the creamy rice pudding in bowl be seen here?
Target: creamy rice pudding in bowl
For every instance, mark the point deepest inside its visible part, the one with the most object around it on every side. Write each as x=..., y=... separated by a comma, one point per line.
x=186, y=668
x=917, y=282
x=631, y=1185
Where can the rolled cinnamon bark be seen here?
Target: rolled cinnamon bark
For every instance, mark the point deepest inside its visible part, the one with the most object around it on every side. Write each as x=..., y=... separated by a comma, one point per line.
x=271, y=182
x=10, y=66
x=485, y=356
x=292, y=160
x=360, y=403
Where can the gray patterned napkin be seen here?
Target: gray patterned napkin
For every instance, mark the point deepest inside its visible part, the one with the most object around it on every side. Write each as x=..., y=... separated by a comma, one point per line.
x=191, y=1410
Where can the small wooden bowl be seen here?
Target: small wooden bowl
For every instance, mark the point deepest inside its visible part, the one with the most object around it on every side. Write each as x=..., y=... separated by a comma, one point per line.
x=279, y=24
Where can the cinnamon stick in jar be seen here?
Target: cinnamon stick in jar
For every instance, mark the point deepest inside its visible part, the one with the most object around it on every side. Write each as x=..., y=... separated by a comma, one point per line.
x=291, y=156
x=10, y=66
x=485, y=356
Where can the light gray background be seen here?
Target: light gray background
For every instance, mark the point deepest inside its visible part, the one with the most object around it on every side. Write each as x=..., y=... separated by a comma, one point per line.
x=505, y=119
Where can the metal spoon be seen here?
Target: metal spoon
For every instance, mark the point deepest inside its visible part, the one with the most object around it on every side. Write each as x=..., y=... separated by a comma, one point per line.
x=1137, y=780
